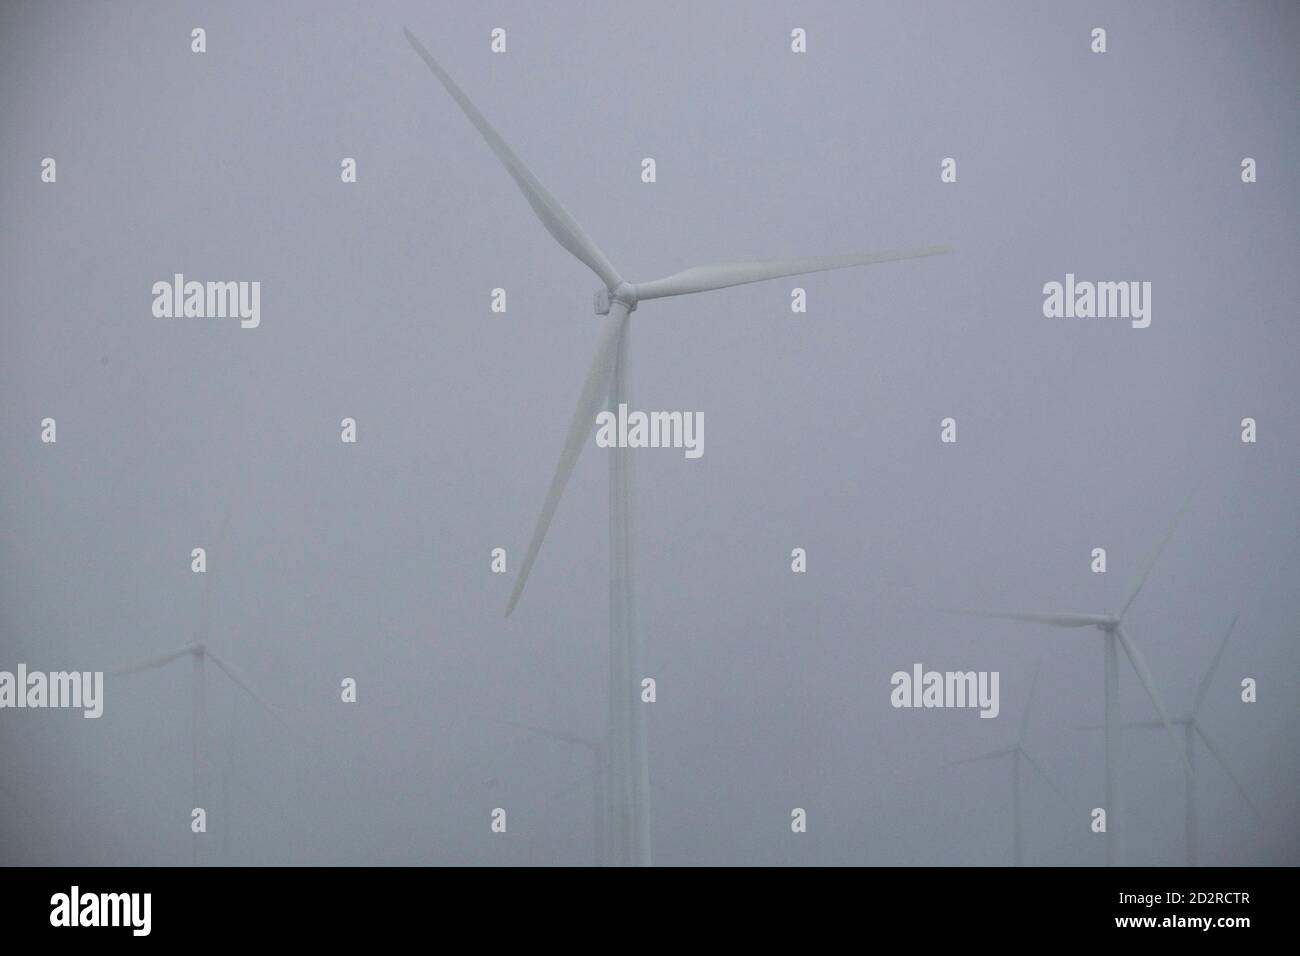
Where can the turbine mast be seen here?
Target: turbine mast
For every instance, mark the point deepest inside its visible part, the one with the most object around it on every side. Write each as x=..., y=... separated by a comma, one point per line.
x=199, y=729
x=1114, y=816
x=1017, y=836
x=1189, y=802
x=629, y=787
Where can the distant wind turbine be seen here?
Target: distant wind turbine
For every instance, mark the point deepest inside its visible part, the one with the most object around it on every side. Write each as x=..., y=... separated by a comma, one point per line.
x=1017, y=753
x=607, y=380
x=199, y=655
x=1192, y=729
x=599, y=772
x=1115, y=638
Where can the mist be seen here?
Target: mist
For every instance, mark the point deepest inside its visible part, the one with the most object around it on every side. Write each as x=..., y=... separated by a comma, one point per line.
x=371, y=560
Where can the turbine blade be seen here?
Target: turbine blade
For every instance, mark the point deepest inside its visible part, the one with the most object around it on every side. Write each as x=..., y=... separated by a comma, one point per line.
x=153, y=662
x=1029, y=702
x=991, y=755
x=1056, y=620
x=1132, y=725
x=1044, y=774
x=1144, y=675
x=593, y=396
x=1155, y=556
x=1214, y=665
x=570, y=787
x=205, y=606
x=554, y=217
x=577, y=740
x=723, y=275
x=1217, y=753
x=247, y=689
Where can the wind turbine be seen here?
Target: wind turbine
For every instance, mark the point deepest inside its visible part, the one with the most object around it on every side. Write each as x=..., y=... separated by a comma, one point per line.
x=1017, y=753
x=1192, y=729
x=607, y=380
x=199, y=655
x=1114, y=638
x=599, y=773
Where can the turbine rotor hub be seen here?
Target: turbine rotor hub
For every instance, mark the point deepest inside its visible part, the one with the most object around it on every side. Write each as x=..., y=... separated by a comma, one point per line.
x=624, y=293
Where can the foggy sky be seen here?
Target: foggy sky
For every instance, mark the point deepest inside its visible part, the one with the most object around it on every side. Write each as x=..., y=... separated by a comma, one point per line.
x=371, y=560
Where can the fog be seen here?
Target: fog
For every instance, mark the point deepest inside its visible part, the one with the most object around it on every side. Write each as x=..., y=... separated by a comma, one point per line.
x=370, y=560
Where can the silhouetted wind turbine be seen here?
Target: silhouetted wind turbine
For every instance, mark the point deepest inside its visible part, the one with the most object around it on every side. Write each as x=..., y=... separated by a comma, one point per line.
x=1115, y=638
x=1192, y=729
x=607, y=380
x=1017, y=753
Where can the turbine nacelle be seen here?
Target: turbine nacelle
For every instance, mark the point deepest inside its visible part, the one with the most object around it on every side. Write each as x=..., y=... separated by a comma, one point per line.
x=624, y=292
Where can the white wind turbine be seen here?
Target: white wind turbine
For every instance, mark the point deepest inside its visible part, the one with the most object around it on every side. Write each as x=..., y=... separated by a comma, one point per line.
x=607, y=380
x=1017, y=753
x=1192, y=729
x=1114, y=638
x=597, y=750
x=200, y=654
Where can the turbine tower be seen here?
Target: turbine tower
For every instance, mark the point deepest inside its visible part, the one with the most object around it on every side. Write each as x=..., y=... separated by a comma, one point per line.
x=199, y=655
x=1017, y=753
x=607, y=380
x=1192, y=730
x=1114, y=638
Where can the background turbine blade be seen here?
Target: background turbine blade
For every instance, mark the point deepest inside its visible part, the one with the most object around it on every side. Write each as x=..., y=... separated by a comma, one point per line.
x=576, y=739
x=153, y=662
x=205, y=607
x=584, y=780
x=1217, y=753
x=1056, y=620
x=248, y=689
x=590, y=401
x=723, y=275
x=1044, y=774
x=991, y=755
x=1155, y=556
x=1144, y=675
x=1214, y=665
x=1130, y=725
x=554, y=217
x=1029, y=702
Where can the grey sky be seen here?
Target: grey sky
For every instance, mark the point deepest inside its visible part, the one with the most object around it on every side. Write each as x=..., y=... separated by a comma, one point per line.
x=371, y=560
